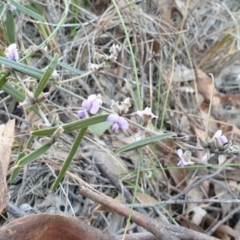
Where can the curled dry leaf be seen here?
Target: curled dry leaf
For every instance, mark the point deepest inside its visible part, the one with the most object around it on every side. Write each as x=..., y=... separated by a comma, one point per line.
x=50, y=227
x=205, y=87
x=198, y=212
x=6, y=141
x=222, y=194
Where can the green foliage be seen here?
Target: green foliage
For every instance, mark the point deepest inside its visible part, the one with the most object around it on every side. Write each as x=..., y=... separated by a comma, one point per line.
x=27, y=11
x=10, y=27
x=144, y=142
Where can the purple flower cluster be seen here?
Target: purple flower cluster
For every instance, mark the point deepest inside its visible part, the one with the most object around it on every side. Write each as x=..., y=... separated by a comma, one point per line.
x=219, y=141
x=118, y=122
x=90, y=106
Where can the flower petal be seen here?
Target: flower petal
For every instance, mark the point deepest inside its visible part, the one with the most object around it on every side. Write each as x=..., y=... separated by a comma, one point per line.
x=205, y=158
x=92, y=97
x=12, y=52
x=181, y=163
x=95, y=107
x=82, y=113
x=86, y=104
x=123, y=123
x=112, y=118
x=180, y=152
x=223, y=139
x=140, y=113
x=115, y=127
x=218, y=134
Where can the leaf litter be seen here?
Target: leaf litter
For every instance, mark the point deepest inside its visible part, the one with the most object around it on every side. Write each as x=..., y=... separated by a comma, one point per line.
x=208, y=42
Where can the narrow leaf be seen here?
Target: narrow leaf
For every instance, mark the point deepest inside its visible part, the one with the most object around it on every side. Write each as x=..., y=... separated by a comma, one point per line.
x=69, y=159
x=17, y=95
x=23, y=68
x=27, y=11
x=67, y=66
x=144, y=142
x=16, y=170
x=3, y=79
x=10, y=27
x=46, y=76
x=13, y=92
x=2, y=9
x=33, y=155
x=68, y=127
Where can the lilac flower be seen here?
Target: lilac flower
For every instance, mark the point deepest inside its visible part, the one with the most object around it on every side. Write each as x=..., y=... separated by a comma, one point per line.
x=91, y=105
x=12, y=52
x=221, y=138
x=185, y=158
x=118, y=122
x=83, y=113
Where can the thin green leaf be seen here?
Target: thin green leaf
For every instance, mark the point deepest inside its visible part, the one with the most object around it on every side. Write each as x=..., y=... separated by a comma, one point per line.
x=10, y=27
x=68, y=127
x=23, y=68
x=27, y=11
x=13, y=92
x=3, y=79
x=66, y=66
x=17, y=95
x=33, y=155
x=69, y=159
x=3, y=8
x=16, y=170
x=144, y=142
x=46, y=76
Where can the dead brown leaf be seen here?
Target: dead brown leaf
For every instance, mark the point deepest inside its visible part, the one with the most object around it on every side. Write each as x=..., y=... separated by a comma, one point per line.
x=144, y=198
x=198, y=212
x=205, y=86
x=50, y=227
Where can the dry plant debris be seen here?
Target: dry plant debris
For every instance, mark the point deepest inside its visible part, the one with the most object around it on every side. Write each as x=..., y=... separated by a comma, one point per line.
x=153, y=68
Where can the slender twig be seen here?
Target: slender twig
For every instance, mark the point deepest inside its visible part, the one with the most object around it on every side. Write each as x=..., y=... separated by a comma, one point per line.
x=157, y=228
x=202, y=201
x=219, y=223
x=14, y=211
x=190, y=187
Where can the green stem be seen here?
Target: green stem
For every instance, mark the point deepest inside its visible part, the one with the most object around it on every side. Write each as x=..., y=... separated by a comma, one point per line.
x=139, y=99
x=69, y=158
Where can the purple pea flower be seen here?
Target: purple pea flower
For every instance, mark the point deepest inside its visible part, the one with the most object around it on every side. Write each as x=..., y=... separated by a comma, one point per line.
x=221, y=138
x=217, y=142
x=118, y=122
x=185, y=158
x=91, y=105
x=12, y=52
